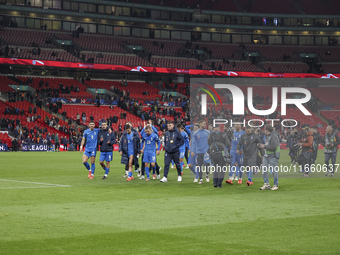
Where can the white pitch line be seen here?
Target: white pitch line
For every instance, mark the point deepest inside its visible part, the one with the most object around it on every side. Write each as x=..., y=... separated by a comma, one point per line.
x=34, y=187
x=40, y=183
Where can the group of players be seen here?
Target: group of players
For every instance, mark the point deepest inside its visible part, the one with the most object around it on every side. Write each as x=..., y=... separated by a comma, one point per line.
x=209, y=150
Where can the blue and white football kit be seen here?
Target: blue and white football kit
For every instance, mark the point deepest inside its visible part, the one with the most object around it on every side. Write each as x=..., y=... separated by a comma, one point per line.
x=150, y=150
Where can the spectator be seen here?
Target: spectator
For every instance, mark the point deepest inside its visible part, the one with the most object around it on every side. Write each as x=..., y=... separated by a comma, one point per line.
x=83, y=116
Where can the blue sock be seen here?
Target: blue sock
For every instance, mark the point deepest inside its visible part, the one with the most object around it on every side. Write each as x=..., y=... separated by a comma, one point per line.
x=250, y=175
x=172, y=162
x=232, y=171
x=147, y=172
x=87, y=166
x=182, y=164
x=193, y=169
x=154, y=170
x=130, y=174
x=107, y=170
x=240, y=170
x=93, y=167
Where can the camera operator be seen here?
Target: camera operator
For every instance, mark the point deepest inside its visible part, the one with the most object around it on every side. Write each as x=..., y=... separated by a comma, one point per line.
x=307, y=149
x=217, y=142
x=330, y=141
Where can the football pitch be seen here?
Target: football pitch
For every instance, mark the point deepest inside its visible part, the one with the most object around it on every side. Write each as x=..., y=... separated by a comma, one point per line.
x=49, y=206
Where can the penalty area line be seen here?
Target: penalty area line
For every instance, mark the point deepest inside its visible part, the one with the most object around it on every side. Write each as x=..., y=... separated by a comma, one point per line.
x=38, y=183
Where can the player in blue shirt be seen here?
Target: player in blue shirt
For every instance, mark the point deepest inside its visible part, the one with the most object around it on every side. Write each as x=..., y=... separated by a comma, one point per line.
x=200, y=147
x=185, y=145
x=192, y=154
x=236, y=160
x=157, y=168
x=149, y=140
x=90, y=137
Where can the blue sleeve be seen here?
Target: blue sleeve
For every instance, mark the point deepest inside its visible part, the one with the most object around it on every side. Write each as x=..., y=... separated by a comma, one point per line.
x=154, y=130
x=187, y=128
x=187, y=144
x=158, y=143
x=193, y=143
x=142, y=132
x=180, y=139
x=85, y=134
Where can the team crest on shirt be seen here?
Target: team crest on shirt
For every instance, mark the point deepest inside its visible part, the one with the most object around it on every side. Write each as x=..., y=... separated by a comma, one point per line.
x=94, y=133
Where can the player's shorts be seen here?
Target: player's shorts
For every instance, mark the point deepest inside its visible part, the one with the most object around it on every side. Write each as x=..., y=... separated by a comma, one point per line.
x=181, y=153
x=106, y=156
x=90, y=153
x=149, y=157
x=236, y=158
x=130, y=153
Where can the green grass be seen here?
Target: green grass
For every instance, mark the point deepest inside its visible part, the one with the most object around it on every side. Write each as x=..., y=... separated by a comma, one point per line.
x=116, y=217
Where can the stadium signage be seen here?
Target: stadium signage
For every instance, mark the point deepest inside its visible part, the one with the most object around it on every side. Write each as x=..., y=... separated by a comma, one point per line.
x=3, y=147
x=34, y=147
x=238, y=100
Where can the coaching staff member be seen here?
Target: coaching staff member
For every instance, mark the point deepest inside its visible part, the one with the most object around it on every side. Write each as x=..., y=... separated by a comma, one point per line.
x=173, y=139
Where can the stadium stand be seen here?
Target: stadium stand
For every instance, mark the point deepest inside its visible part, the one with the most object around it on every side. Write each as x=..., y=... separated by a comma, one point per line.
x=113, y=50
x=286, y=67
x=135, y=89
x=332, y=115
x=6, y=139
x=38, y=123
x=103, y=112
x=324, y=95
x=54, y=83
x=4, y=82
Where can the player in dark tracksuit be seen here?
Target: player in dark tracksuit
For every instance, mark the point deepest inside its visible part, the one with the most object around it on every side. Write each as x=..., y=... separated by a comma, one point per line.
x=250, y=150
x=217, y=142
x=129, y=149
x=106, y=139
x=173, y=139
